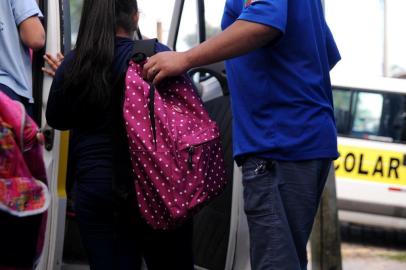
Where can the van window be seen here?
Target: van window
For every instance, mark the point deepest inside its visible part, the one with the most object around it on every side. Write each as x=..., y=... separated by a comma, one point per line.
x=151, y=21
x=367, y=114
x=342, y=109
x=155, y=18
x=188, y=35
x=188, y=28
x=213, y=14
x=393, y=123
x=370, y=115
x=75, y=13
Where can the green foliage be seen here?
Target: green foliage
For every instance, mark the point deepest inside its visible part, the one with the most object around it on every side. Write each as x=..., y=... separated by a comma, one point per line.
x=401, y=257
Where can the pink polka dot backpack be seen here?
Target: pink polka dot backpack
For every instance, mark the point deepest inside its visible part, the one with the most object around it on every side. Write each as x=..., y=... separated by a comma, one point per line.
x=175, y=147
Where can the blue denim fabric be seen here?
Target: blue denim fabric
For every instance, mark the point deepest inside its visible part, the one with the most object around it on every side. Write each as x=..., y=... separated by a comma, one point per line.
x=281, y=200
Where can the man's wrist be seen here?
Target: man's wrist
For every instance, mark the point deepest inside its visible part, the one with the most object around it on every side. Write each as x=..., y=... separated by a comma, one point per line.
x=188, y=59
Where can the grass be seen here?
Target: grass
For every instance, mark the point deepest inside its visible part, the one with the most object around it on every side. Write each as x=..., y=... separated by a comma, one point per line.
x=401, y=257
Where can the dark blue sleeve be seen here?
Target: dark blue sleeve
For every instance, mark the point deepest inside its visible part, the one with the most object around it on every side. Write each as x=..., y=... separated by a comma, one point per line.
x=58, y=112
x=273, y=13
x=159, y=47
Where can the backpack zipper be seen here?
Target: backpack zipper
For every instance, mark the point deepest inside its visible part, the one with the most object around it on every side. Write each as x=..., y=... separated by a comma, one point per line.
x=191, y=151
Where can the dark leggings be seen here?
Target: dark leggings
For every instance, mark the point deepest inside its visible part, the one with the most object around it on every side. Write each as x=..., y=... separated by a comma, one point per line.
x=19, y=239
x=120, y=243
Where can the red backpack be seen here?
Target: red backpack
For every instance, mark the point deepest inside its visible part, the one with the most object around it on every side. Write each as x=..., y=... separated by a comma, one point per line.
x=175, y=147
x=23, y=189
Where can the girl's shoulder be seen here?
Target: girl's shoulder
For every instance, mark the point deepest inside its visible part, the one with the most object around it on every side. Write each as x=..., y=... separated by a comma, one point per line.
x=159, y=47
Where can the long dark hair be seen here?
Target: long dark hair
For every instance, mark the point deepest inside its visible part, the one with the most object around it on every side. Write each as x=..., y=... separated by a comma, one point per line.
x=89, y=76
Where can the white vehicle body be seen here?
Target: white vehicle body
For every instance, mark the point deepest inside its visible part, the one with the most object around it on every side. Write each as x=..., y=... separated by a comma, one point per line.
x=373, y=192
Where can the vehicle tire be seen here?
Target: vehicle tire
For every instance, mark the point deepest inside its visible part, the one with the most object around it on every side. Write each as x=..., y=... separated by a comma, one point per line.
x=361, y=234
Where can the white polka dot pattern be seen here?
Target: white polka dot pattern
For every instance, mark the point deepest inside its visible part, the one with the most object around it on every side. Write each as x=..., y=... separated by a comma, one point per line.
x=185, y=168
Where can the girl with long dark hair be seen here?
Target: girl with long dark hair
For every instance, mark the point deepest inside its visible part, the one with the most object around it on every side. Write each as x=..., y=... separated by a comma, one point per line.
x=86, y=98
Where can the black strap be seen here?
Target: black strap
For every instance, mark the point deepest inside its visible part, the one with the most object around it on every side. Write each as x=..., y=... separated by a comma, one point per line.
x=142, y=50
x=151, y=108
x=145, y=46
x=123, y=186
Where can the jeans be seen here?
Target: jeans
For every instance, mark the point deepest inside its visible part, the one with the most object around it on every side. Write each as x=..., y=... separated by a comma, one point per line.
x=281, y=200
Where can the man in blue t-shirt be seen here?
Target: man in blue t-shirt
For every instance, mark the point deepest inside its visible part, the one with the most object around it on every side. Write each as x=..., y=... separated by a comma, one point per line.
x=280, y=53
x=20, y=30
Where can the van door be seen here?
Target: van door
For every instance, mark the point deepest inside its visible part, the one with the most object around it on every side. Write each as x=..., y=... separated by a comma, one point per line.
x=220, y=229
x=55, y=153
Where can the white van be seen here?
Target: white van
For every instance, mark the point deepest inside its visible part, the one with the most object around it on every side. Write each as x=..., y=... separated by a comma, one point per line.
x=371, y=171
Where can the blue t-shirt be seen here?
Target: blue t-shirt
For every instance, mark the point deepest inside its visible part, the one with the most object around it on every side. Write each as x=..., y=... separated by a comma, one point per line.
x=281, y=93
x=15, y=62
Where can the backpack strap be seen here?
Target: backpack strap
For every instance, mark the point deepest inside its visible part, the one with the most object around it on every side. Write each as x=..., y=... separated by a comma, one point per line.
x=124, y=190
x=140, y=51
x=143, y=49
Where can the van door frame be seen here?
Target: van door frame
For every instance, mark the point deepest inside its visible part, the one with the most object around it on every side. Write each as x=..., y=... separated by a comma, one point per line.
x=37, y=74
x=238, y=244
x=56, y=154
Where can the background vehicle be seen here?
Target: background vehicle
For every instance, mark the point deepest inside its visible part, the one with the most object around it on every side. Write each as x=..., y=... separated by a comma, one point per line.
x=371, y=171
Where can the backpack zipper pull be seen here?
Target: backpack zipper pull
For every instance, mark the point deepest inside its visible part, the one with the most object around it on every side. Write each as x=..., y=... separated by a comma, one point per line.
x=191, y=151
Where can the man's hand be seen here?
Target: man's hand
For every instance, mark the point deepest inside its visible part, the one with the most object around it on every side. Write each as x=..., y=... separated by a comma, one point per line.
x=165, y=64
x=53, y=63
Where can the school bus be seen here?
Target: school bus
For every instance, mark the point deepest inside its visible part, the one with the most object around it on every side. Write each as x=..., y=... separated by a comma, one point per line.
x=370, y=115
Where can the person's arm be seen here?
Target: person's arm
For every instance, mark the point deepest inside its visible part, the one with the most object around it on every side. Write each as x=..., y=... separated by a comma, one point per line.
x=58, y=112
x=240, y=38
x=32, y=33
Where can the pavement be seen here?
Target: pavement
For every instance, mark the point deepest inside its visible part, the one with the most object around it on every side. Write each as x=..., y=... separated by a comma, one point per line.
x=355, y=257
x=360, y=257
